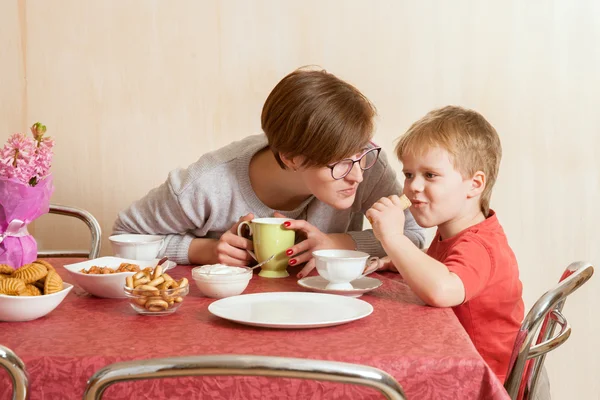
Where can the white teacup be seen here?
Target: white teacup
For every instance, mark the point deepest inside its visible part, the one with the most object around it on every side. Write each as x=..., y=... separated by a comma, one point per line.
x=340, y=267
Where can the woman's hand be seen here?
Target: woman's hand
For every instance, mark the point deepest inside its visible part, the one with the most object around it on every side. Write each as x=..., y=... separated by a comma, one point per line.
x=230, y=249
x=314, y=240
x=386, y=264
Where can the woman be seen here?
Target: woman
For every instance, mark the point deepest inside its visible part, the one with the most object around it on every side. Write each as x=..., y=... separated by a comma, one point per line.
x=315, y=164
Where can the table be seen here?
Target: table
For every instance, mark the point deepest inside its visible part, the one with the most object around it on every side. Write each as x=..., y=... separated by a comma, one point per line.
x=424, y=348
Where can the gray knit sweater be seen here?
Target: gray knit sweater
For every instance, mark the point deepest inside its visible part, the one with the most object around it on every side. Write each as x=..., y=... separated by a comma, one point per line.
x=207, y=198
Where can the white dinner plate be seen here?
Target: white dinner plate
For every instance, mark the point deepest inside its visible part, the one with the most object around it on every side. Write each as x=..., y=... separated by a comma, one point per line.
x=290, y=310
x=360, y=286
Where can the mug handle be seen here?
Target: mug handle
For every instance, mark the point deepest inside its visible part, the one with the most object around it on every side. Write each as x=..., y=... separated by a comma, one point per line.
x=239, y=233
x=372, y=266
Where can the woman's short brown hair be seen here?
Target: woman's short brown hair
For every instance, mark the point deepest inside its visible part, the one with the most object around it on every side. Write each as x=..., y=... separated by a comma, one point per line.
x=314, y=114
x=466, y=135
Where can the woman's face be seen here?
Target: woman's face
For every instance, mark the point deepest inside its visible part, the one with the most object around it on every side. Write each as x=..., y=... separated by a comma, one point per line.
x=338, y=193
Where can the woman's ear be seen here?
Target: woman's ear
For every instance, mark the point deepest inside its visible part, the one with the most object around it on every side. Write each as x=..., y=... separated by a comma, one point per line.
x=478, y=182
x=292, y=163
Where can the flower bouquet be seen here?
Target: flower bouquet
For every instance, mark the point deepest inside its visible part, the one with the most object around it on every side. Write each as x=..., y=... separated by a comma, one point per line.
x=25, y=190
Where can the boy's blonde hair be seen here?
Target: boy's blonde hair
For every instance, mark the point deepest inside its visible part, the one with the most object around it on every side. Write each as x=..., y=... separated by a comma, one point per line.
x=466, y=135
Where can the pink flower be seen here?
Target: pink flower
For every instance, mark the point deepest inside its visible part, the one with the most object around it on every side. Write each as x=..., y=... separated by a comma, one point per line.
x=26, y=159
x=43, y=158
x=16, y=158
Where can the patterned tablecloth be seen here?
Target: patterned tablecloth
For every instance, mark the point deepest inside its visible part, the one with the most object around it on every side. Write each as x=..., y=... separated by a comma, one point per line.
x=424, y=348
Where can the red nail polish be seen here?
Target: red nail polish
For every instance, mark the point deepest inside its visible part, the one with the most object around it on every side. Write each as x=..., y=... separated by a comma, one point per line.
x=293, y=261
x=287, y=224
x=299, y=276
x=289, y=252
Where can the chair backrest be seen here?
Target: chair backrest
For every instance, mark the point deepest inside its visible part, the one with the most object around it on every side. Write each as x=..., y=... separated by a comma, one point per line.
x=246, y=365
x=545, y=314
x=90, y=221
x=17, y=372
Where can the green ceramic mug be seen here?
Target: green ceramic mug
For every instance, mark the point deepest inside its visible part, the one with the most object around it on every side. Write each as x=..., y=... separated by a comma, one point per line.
x=270, y=238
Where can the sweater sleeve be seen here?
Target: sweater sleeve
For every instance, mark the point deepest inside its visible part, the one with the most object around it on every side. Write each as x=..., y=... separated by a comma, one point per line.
x=160, y=213
x=386, y=185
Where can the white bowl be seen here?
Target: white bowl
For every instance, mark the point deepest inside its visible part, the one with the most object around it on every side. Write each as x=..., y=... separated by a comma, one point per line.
x=27, y=308
x=136, y=247
x=109, y=285
x=219, y=285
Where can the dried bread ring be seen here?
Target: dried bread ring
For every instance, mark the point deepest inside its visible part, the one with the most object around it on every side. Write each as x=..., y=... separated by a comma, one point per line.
x=129, y=282
x=155, y=303
x=139, y=275
x=145, y=290
x=142, y=281
x=157, y=272
x=156, y=281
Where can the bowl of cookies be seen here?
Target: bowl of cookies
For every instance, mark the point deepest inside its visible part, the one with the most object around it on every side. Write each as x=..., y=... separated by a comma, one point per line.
x=155, y=292
x=105, y=276
x=31, y=291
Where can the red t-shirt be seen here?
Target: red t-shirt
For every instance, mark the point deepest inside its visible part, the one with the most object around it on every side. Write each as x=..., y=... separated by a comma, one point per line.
x=492, y=311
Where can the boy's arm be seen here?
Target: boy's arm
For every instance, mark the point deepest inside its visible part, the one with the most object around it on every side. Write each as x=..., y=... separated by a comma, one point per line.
x=428, y=278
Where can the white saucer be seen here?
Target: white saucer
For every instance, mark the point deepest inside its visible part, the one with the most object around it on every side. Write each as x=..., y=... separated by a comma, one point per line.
x=290, y=310
x=361, y=286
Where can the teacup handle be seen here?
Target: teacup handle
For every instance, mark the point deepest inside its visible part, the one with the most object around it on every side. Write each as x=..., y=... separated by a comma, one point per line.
x=239, y=233
x=372, y=266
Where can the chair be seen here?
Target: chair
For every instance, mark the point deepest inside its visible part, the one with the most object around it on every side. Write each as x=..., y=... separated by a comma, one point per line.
x=246, y=365
x=17, y=372
x=90, y=221
x=545, y=314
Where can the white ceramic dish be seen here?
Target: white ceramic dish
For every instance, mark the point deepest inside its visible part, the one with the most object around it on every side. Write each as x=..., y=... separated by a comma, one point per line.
x=340, y=267
x=219, y=281
x=291, y=310
x=28, y=308
x=110, y=285
x=136, y=247
x=359, y=286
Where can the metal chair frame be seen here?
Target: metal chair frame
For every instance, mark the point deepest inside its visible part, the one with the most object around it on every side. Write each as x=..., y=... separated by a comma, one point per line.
x=545, y=314
x=245, y=365
x=17, y=372
x=89, y=220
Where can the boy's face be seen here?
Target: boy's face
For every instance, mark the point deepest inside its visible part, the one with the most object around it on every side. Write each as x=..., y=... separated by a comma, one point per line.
x=438, y=192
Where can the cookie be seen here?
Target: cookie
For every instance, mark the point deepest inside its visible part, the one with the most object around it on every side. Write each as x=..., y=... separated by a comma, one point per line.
x=53, y=283
x=6, y=269
x=30, y=273
x=46, y=264
x=12, y=287
x=32, y=290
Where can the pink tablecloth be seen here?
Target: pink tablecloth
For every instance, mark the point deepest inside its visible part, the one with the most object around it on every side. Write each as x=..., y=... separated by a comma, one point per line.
x=424, y=348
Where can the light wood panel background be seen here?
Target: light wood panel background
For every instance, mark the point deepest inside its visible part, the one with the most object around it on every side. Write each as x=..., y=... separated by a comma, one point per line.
x=131, y=89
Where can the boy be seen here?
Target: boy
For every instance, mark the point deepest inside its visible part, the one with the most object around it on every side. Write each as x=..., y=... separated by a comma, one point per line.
x=450, y=162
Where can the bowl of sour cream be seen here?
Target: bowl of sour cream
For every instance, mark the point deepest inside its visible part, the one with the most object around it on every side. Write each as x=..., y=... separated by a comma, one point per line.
x=219, y=281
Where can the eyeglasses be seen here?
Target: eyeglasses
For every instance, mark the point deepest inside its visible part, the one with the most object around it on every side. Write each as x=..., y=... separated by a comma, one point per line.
x=365, y=161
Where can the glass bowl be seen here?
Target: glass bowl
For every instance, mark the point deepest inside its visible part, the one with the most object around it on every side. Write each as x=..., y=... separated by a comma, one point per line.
x=156, y=302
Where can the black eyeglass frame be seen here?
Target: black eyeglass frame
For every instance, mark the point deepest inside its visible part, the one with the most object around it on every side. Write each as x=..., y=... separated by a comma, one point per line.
x=374, y=148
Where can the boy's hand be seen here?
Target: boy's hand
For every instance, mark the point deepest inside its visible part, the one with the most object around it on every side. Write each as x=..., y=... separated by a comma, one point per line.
x=387, y=217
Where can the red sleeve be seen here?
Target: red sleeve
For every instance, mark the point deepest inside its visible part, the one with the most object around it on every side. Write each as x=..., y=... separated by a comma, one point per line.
x=470, y=260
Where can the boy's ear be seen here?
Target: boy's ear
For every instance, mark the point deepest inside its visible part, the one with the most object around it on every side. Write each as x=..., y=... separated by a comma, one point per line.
x=478, y=182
